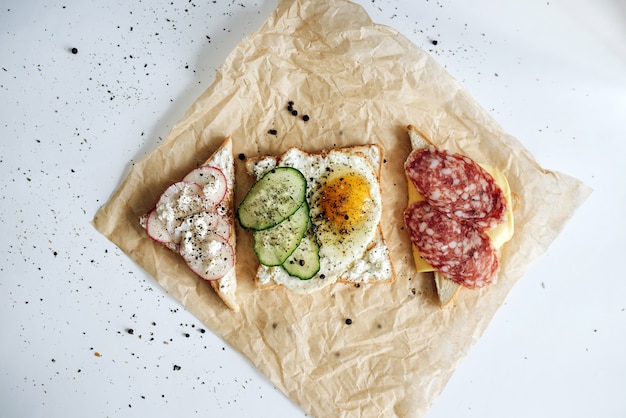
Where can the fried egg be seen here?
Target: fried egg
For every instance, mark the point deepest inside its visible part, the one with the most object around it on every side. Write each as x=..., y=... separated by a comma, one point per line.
x=343, y=194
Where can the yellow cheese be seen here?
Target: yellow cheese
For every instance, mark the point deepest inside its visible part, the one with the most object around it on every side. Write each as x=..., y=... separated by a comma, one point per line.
x=499, y=235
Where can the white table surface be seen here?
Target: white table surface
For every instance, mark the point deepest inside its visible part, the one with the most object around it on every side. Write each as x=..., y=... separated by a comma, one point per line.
x=552, y=72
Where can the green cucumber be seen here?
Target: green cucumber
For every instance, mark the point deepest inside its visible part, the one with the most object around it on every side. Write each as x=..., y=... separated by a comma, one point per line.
x=273, y=245
x=272, y=199
x=304, y=262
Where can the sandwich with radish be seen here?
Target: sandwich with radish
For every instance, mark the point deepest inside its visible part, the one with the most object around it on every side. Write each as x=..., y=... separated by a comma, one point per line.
x=194, y=218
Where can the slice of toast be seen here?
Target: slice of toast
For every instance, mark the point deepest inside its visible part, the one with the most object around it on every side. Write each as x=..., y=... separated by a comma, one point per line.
x=446, y=288
x=222, y=158
x=375, y=266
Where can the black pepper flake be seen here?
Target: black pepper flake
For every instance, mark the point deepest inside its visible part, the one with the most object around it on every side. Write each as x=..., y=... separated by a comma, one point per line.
x=186, y=335
x=242, y=156
x=348, y=321
x=294, y=112
x=74, y=51
x=272, y=132
x=290, y=103
x=434, y=42
x=305, y=118
x=176, y=367
x=130, y=331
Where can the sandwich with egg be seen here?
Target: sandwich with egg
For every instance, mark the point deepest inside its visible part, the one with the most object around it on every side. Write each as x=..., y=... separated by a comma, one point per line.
x=315, y=218
x=459, y=214
x=194, y=217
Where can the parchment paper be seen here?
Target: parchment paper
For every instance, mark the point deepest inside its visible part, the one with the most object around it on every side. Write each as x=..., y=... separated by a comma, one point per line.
x=360, y=83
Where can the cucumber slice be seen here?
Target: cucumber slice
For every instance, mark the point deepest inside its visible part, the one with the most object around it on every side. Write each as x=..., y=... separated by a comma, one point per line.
x=274, y=245
x=304, y=262
x=272, y=199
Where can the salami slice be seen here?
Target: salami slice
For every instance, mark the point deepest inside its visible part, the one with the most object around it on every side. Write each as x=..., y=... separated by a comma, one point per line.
x=460, y=250
x=457, y=186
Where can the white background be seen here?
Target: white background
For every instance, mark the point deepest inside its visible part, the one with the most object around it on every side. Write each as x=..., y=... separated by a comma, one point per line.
x=552, y=72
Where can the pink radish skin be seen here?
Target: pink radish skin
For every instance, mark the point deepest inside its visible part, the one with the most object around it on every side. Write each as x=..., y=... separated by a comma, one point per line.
x=156, y=229
x=210, y=257
x=213, y=183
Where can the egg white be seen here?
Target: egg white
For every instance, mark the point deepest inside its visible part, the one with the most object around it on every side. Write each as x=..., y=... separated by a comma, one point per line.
x=338, y=250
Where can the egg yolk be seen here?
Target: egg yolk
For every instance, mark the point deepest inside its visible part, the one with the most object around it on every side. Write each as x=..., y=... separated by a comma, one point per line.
x=345, y=200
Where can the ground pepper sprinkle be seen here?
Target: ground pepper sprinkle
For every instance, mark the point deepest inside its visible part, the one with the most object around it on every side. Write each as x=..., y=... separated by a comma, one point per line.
x=294, y=112
x=348, y=321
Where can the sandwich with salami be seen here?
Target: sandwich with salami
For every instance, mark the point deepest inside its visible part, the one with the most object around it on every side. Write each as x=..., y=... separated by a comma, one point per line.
x=459, y=214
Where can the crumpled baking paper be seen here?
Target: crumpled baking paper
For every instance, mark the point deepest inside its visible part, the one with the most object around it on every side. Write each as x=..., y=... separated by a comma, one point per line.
x=360, y=83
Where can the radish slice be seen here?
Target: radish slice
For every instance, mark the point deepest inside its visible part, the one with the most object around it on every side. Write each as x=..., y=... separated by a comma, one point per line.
x=213, y=183
x=156, y=229
x=178, y=201
x=203, y=223
x=210, y=257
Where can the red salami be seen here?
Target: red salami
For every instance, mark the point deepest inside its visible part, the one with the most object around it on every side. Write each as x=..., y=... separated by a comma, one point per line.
x=460, y=250
x=456, y=186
